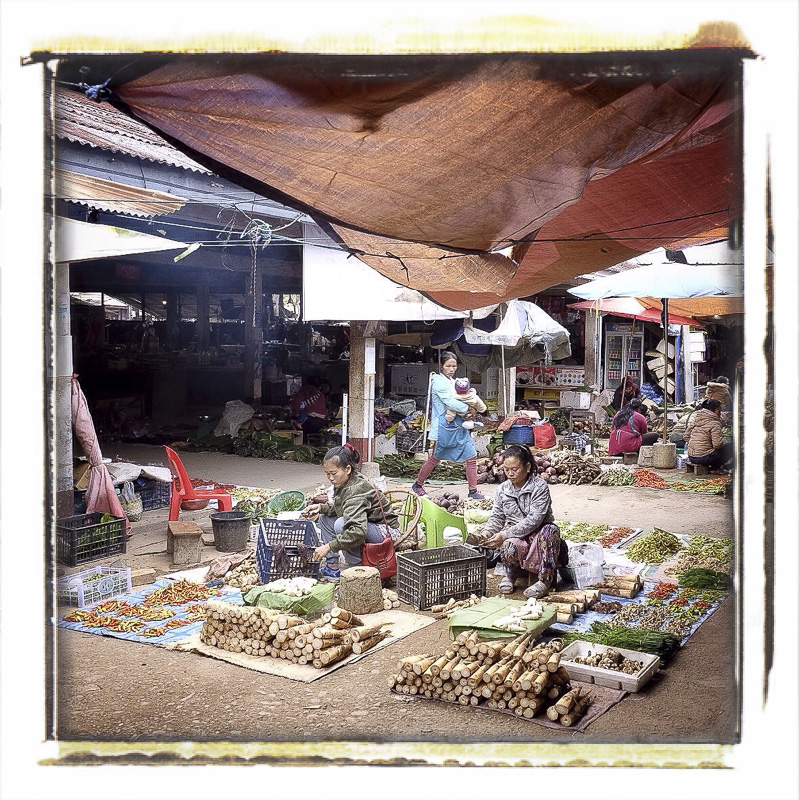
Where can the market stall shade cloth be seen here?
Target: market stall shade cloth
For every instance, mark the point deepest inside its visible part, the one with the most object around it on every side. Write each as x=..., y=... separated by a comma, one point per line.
x=631, y=308
x=426, y=166
x=100, y=495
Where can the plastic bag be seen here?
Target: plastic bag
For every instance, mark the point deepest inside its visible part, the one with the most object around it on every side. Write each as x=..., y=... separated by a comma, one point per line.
x=131, y=503
x=544, y=435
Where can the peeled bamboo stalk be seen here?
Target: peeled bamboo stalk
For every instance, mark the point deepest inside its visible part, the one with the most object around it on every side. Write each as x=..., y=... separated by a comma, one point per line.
x=346, y=616
x=435, y=667
x=362, y=645
x=577, y=712
x=553, y=662
x=365, y=632
x=333, y=654
x=420, y=666
x=567, y=701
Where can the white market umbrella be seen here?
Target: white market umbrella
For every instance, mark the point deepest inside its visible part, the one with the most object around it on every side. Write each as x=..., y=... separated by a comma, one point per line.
x=666, y=280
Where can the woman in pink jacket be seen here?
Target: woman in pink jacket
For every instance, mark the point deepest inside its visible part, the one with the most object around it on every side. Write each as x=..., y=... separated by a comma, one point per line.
x=629, y=430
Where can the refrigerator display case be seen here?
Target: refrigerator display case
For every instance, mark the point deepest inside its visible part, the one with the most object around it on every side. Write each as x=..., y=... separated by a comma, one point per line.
x=622, y=345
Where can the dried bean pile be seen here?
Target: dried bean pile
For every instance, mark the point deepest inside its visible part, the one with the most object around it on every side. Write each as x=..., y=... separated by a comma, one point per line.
x=707, y=553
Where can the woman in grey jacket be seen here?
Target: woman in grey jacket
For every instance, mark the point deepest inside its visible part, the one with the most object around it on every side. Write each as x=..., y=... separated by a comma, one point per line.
x=521, y=526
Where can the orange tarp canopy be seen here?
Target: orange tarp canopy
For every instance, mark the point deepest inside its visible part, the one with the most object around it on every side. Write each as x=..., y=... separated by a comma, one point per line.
x=426, y=166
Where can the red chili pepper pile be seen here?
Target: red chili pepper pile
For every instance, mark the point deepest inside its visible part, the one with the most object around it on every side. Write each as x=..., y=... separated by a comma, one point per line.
x=218, y=487
x=178, y=593
x=649, y=479
x=702, y=605
x=614, y=537
x=679, y=601
x=663, y=591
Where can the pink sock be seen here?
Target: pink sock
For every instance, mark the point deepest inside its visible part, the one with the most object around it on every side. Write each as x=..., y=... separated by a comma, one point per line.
x=471, y=472
x=428, y=466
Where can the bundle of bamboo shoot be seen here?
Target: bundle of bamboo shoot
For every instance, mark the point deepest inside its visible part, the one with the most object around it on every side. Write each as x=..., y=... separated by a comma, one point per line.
x=570, y=708
x=517, y=675
x=442, y=610
x=621, y=585
x=267, y=632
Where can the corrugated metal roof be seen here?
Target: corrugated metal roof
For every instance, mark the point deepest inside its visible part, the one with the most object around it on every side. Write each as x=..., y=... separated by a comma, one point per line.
x=118, y=198
x=101, y=125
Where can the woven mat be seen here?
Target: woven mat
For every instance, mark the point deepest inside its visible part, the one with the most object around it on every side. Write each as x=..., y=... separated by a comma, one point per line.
x=602, y=699
x=404, y=623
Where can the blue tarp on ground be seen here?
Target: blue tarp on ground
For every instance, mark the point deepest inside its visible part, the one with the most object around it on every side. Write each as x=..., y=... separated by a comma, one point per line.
x=229, y=595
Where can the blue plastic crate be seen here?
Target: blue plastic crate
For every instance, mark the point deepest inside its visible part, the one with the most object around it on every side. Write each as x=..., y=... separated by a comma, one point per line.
x=518, y=434
x=284, y=549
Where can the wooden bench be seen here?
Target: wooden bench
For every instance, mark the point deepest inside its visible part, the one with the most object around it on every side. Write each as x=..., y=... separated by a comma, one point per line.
x=696, y=469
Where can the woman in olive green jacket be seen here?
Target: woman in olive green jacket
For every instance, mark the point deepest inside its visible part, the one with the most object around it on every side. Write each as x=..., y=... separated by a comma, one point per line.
x=358, y=513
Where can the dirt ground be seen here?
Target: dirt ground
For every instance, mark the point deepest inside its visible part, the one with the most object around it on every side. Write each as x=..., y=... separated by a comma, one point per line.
x=109, y=689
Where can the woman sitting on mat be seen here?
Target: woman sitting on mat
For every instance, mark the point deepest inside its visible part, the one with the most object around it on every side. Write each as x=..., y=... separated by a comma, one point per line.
x=521, y=527
x=629, y=431
x=359, y=513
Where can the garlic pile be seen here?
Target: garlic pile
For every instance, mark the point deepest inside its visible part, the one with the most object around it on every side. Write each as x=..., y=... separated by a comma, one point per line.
x=293, y=587
x=514, y=621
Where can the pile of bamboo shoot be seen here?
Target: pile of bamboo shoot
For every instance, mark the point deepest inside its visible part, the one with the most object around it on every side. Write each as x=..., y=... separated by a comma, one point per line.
x=442, y=610
x=516, y=676
x=268, y=632
x=571, y=601
x=621, y=585
x=570, y=708
x=390, y=600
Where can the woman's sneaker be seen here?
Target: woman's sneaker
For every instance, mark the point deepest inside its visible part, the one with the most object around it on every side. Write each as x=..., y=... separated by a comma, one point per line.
x=475, y=495
x=417, y=489
x=330, y=573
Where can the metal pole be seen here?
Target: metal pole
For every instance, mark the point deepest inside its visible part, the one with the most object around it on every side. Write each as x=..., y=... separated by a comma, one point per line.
x=427, y=410
x=344, y=406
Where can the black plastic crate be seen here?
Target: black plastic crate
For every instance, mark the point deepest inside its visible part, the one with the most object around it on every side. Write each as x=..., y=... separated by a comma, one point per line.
x=154, y=495
x=410, y=441
x=85, y=538
x=428, y=577
x=284, y=549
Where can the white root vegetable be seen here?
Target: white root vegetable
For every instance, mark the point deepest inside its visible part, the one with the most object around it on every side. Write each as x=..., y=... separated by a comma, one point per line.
x=293, y=587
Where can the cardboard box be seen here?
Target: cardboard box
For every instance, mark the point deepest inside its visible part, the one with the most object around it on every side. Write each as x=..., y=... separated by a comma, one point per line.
x=295, y=436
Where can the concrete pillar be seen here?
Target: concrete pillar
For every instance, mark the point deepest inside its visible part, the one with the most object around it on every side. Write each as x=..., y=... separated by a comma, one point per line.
x=380, y=371
x=593, y=359
x=360, y=413
x=62, y=386
x=203, y=316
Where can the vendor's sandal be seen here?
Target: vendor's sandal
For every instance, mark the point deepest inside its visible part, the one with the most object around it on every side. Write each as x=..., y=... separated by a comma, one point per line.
x=537, y=590
x=506, y=586
x=419, y=490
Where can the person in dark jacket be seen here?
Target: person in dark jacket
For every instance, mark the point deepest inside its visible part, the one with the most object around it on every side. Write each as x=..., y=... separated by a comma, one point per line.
x=631, y=391
x=628, y=430
x=358, y=513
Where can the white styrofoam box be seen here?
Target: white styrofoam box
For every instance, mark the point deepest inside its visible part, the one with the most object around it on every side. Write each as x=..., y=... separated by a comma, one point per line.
x=611, y=678
x=575, y=399
x=661, y=346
